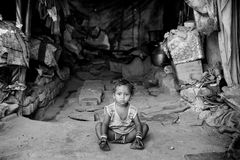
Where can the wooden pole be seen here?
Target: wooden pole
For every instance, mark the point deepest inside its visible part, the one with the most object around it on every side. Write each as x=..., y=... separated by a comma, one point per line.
x=20, y=94
x=28, y=19
x=19, y=14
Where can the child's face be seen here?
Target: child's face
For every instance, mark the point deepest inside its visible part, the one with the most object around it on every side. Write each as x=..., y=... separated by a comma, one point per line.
x=122, y=95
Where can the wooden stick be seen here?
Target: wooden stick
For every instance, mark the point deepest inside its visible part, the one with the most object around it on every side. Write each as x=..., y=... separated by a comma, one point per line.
x=19, y=14
x=28, y=19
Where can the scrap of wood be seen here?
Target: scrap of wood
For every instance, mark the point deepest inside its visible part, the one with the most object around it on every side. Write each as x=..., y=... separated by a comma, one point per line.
x=201, y=123
x=176, y=120
x=231, y=103
x=167, y=111
x=178, y=110
x=207, y=156
x=78, y=119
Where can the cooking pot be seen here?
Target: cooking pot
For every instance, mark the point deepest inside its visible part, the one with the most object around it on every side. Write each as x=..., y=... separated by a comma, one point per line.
x=159, y=58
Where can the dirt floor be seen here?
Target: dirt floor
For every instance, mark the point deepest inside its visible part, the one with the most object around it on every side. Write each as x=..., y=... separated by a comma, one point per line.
x=175, y=130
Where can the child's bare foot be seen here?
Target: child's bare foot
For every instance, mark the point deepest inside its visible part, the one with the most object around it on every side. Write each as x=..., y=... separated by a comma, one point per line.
x=137, y=144
x=103, y=144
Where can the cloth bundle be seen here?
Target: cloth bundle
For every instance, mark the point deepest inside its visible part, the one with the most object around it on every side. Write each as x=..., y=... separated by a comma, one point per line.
x=43, y=51
x=184, y=45
x=205, y=14
x=14, y=49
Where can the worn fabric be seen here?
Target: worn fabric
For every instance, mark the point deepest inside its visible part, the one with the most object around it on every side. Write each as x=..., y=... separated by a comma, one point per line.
x=198, y=5
x=14, y=49
x=224, y=36
x=224, y=117
x=133, y=69
x=101, y=41
x=116, y=123
x=65, y=7
x=49, y=11
x=205, y=14
x=235, y=37
x=69, y=42
x=43, y=51
x=184, y=45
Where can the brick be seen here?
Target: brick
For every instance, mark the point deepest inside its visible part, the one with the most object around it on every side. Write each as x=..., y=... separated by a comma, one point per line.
x=89, y=101
x=9, y=117
x=94, y=84
x=186, y=71
x=91, y=93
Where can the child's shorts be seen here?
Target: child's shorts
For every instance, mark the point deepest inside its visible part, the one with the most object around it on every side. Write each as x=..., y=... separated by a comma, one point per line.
x=119, y=138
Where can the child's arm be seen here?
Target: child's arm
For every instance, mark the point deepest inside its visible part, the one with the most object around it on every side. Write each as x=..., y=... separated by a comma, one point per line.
x=138, y=125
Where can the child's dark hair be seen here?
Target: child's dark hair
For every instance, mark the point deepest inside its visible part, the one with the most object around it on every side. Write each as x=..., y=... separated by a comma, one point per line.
x=124, y=82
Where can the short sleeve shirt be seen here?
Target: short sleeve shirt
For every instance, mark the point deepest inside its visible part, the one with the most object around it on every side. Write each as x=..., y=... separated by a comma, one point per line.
x=116, y=123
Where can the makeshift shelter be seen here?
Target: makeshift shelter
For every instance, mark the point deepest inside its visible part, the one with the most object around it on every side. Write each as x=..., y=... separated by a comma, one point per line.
x=14, y=62
x=184, y=47
x=21, y=56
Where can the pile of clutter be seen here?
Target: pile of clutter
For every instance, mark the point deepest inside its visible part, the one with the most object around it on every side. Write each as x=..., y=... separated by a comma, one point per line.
x=206, y=92
x=44, y=78
x=217, y=104
x=14, y=58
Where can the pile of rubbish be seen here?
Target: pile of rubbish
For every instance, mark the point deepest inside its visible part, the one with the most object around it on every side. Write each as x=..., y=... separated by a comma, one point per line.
x=218, y=105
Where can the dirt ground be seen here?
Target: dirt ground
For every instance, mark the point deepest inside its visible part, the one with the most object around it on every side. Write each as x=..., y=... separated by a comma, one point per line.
x=172, y=133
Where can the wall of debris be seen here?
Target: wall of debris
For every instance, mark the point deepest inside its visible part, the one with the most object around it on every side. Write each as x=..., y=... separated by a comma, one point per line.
x=31, y=72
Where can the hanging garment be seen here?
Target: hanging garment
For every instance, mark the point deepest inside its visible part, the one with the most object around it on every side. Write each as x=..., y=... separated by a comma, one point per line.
x=70, y=43
x=205, y=14
x=63, y=4
x=235, y=37
x=43, y=51
x=14, y=49
x=224, y=36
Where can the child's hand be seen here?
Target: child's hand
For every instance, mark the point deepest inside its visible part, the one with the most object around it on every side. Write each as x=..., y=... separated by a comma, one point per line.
x=103, y=144
x=137, y=144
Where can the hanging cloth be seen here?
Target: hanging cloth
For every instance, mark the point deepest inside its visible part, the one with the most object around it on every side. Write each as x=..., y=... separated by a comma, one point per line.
x=14, y=48
x=235, y=37
x=224, y=36
x=205, y=14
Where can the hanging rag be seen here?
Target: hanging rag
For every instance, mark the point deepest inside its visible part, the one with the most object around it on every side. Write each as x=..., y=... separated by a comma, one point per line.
x=14, y=49
x=235, y=37
x=224, y=36
x=205, y=14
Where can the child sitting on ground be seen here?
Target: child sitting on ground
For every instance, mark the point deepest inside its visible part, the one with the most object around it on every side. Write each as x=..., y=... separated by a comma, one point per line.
x=121, y=122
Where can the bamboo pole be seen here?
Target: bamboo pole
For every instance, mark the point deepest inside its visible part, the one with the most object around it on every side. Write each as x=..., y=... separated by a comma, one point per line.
x=20, y=94
x=28, y=19
x=19, y=14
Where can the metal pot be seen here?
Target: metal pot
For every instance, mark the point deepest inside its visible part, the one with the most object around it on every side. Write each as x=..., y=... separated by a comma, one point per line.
x=159, y=58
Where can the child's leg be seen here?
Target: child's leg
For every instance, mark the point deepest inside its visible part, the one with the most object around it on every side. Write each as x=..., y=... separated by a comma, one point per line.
x=98, y=129
x=132, y=135
x=145, y=129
